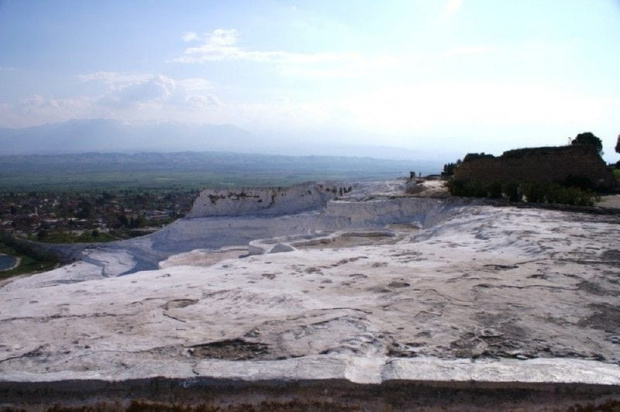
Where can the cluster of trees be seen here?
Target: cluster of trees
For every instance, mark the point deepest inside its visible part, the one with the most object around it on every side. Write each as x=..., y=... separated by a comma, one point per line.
x=589, y=139
x=531, y=192
x=449, y=168
x=573, y=191
x=585, y=138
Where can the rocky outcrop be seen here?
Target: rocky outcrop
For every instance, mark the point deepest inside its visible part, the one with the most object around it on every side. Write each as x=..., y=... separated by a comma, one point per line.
x=541, y=164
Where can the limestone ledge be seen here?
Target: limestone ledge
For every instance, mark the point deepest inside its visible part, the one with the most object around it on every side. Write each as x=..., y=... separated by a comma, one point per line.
x=359, y=370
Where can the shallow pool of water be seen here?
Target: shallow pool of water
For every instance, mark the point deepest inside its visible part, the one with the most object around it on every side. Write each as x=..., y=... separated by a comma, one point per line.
x=7, y=262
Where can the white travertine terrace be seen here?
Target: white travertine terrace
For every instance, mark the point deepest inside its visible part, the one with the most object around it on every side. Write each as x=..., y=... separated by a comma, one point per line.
x=371, y=286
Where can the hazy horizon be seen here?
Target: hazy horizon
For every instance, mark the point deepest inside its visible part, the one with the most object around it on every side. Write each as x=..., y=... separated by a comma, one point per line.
x=110, y=136
x=424, y=77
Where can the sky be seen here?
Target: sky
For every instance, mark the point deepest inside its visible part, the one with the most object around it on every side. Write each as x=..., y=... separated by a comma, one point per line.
x=428, y=75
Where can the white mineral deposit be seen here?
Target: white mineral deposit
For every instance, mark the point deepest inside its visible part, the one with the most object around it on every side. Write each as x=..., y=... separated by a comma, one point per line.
x=371, y=285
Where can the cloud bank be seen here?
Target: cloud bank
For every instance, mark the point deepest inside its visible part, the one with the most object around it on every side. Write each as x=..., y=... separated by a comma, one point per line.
x=221, y=44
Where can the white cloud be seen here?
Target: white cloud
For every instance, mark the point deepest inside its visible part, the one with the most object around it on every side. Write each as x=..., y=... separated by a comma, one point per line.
x=36, y=109
x=468, y=50
x=223, y=37
x=189, y=36
x=472, y=111
x=114, y=79
x=221, y=44
x=485, y=116
x=453, y=6
x=131, y=89
x=195, y=84
x=157, y=95
x=129, y=97
x=204, y=101
x=155, y=89
x=117, y=80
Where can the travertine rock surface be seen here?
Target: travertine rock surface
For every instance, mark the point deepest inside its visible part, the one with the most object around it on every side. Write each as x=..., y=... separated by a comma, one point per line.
x=268, y=201
x=370, y=288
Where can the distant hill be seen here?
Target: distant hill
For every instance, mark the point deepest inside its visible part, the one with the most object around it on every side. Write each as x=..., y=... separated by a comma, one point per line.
x=110, y=136
x=79, y=136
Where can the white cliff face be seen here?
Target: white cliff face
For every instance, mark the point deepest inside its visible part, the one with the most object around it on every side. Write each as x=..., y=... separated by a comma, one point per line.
x=271, y=201
x=378, y=212
x=370, y=288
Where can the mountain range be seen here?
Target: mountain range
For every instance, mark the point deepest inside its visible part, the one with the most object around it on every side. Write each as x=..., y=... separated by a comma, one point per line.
x=99, y=135
x=110, y=136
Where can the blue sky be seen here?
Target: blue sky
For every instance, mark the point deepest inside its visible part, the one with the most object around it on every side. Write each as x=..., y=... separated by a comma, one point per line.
x=430, y=75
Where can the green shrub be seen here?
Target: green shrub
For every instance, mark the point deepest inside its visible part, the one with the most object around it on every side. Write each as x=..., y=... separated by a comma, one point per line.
x=477, y=189
x=532, y=192
x=495, y=190
x=562, y=195
x=581, y=182
x=456, y=187
x=511, y=191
